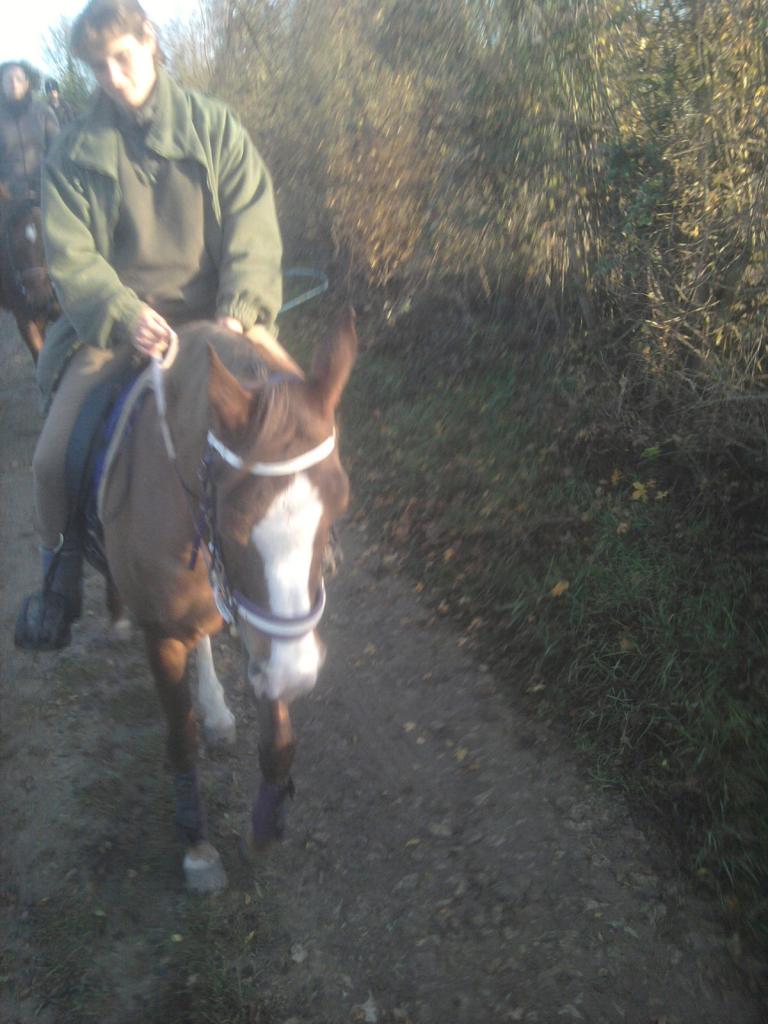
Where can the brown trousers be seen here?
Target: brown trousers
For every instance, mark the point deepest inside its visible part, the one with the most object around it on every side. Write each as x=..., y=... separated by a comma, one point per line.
x=89, y=366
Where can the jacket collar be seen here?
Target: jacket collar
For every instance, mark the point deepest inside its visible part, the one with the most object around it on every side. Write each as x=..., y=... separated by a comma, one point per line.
x=170, y=135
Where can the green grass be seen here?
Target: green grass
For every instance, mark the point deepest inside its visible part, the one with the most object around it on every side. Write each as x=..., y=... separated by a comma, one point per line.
x=667, y=679
x=65, y=928
x=212, y=963
x=200, y=957
x=653, y=657
x=202, y=972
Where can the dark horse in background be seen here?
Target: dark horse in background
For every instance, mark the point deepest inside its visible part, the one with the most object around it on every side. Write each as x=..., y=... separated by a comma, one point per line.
x=25, y=287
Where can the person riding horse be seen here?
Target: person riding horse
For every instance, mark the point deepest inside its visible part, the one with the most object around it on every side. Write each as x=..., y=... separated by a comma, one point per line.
x=27, y=129
x=158, y=211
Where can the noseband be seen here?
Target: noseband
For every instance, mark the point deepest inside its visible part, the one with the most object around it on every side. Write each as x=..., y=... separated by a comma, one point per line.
x=231, y=604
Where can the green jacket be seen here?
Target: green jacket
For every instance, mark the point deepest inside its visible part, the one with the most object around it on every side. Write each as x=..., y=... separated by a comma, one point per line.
x=81, y=205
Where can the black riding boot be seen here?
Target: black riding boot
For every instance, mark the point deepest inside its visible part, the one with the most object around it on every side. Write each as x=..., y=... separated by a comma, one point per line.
x=45, y=618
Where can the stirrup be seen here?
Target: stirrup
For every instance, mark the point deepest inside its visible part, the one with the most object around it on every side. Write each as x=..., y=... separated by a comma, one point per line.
x=63, y=573
x=44, y=622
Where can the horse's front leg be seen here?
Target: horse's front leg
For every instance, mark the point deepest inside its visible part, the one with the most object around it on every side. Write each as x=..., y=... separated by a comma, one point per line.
x=277, y=746
x=168, y=659
x=218, y=721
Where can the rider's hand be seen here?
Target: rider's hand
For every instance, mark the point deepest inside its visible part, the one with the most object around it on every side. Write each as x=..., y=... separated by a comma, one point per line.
x=151, y=333
x=231, y=323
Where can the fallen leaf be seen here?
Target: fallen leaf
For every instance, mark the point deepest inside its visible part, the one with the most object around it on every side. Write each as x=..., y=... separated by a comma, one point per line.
x=560, y=588
x=368, y=1013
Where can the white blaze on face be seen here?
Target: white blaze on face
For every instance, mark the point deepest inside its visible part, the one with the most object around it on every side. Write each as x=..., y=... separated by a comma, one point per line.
x=285, y=540
x=30, y=232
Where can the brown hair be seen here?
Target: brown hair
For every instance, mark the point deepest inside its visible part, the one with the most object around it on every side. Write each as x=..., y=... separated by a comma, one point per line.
x=101, y=22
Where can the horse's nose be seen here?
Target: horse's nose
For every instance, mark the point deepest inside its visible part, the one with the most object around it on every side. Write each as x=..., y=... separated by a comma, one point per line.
x=290, y=670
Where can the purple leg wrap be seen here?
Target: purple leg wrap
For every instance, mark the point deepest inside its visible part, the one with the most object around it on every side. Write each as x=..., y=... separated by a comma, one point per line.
x=190, y=814
x=268, y=815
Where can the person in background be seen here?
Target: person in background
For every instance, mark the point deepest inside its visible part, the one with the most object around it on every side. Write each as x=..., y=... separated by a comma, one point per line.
x=62, y=109
x=157, y=210
x=27, y=128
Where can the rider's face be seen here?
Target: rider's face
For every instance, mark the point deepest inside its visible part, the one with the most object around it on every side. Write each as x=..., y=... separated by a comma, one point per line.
x=15, y=83
x=125, y=69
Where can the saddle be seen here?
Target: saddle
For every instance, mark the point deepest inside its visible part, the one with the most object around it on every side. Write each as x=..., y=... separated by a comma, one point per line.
x=89, y=442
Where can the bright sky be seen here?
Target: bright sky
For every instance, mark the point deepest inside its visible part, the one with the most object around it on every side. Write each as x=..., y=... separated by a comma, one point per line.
x=25, y=33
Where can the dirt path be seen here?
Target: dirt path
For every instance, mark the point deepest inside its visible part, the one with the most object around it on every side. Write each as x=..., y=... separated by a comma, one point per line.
x=446, y=861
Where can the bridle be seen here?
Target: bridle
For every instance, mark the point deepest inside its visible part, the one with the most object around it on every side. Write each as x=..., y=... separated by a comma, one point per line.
x=231, y=603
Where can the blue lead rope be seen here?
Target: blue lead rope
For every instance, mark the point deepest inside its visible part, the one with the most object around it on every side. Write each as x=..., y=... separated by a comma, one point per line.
x=312, y=275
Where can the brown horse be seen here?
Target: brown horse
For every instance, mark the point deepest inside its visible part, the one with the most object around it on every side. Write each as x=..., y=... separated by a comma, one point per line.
x=25, y=287
x=219, y=506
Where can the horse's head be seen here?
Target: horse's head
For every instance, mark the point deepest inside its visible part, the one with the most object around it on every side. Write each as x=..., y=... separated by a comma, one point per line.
x=278, y=485
x=24, y=258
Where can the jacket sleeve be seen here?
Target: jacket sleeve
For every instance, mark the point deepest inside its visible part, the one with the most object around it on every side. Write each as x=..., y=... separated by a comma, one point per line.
x=91, y=294
x=250, y=276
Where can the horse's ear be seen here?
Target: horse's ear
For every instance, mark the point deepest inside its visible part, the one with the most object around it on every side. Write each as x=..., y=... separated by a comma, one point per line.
x=333, y=363
x=229, y=401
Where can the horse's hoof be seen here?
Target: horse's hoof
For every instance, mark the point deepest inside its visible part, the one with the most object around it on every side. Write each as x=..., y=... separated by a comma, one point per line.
x=251, y=850
x=43, y=624
x=222, y=732
x=203, y=869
